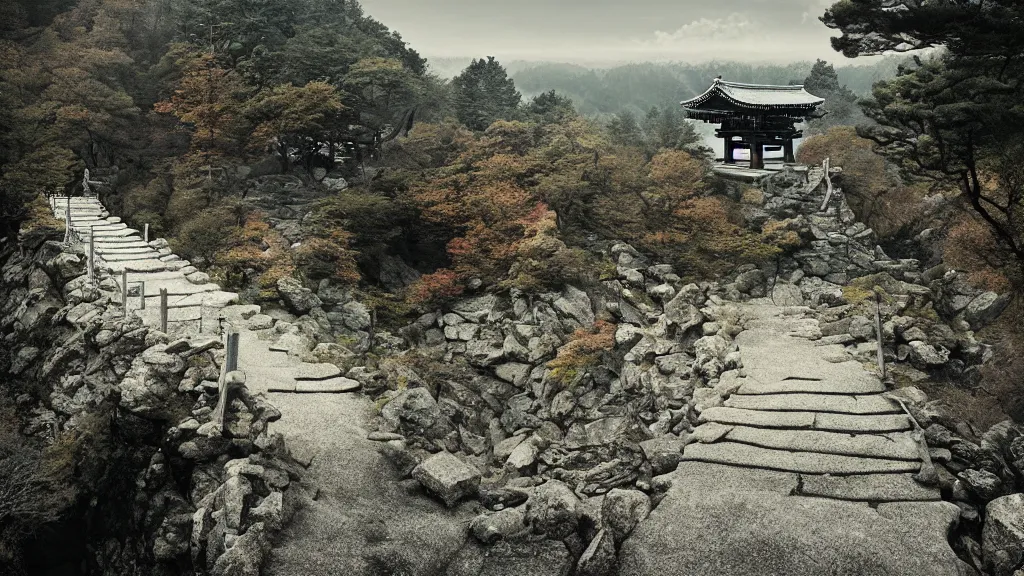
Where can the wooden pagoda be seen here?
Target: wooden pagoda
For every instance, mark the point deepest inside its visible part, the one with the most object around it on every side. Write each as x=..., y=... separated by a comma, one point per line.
x=754, y=116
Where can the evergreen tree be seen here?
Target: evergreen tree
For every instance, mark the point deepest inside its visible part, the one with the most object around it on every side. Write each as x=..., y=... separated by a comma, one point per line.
x=484, y=93
x=955, y=118
x=625, y=130
x=840, y=106
x=551, y=107
x=822, y=79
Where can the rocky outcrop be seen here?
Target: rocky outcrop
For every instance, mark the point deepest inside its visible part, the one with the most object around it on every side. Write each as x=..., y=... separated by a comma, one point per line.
x=572, y=452
x=168, y=483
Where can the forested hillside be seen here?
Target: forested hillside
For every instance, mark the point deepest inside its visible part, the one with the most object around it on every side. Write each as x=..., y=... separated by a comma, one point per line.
x=207, y=110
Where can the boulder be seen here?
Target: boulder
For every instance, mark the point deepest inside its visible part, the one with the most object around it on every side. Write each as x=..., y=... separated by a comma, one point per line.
x=596, y=433
x=553, y=510
x=682, y=312
x=476, y=309
x=514, y=373
x=924, y=355
x=504, y=448
x=575, y=303
x=501, y=525
x=663, y=453
x=447, y=477
x=984, y=309
x=355, y=315
x=299, y=299
x=522, y=557
x=198, y=278
x=1002, y=537
x=416, y=411
x=599, y=557
x=662, y=292
x=395, y=274
x=817, y=292
x=747, y=282
x=623, y=510
x=523, y=457
x=982, y=483
x=246, y=556
x=335, y=184
x=861, y=328
x=483, y=353
x=270, y=511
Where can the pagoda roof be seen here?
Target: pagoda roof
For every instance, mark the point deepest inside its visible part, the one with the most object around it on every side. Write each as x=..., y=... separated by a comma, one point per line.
x=755, y=96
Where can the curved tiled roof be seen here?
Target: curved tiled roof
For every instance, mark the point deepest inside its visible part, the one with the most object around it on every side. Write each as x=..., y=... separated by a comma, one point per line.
x=758, y=96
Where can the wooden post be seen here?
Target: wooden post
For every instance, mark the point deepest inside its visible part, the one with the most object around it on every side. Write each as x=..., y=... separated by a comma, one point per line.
x=163, y=310
x=67, y=223
x=878, y=332
x=231, y=358
x=787, y=151
x=200, y=318
x=828, y=182
x=92, y=253
x=142, y=295
x=145, y=233
x=124, y=291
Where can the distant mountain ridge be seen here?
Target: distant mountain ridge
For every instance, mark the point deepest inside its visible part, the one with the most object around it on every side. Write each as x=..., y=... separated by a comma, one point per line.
x=638, y=87
x=603, y=89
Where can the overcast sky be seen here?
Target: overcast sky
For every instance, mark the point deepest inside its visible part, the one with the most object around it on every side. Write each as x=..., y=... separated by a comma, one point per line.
x=612, y=30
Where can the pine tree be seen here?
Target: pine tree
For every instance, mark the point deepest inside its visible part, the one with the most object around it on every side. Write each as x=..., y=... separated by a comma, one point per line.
x=840, y=102
x=484, y=93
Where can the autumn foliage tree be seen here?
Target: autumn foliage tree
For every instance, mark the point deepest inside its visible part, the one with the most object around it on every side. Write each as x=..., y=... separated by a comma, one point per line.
x=874, y=188
x=287, y=117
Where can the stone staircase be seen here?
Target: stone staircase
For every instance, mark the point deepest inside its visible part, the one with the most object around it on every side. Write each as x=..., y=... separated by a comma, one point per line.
x=802, y=465
x=194, y=303
x=196, y=306
x=813, y=411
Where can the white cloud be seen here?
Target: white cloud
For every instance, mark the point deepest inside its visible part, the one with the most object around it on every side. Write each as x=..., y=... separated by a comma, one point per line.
x=733, y=27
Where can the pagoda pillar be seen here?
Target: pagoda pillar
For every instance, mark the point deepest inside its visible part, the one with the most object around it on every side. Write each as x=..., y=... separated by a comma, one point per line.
x=756, y=154
x=787, y=151
x=730, y=151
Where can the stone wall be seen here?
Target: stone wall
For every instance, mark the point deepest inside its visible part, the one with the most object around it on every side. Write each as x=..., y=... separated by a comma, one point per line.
x=161, y=488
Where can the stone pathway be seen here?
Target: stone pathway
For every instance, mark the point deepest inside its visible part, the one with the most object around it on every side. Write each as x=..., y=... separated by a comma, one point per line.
x=191, y=295
x=806, y=468
x=813, y=411
x=362, y=520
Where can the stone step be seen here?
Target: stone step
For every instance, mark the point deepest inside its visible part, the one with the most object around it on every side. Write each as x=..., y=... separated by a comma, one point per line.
x=870, y=404
x=107, y=235
x=870, y=487
x=894, y=445
x=121, y=242
x=124, y=250
x=752, y=387
x=807, y=420
x=736, y=454
x=117, y=257
x=853, y=423
x=137, y=266
x=101, y=227
x=313, y=372
x=330, y=386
